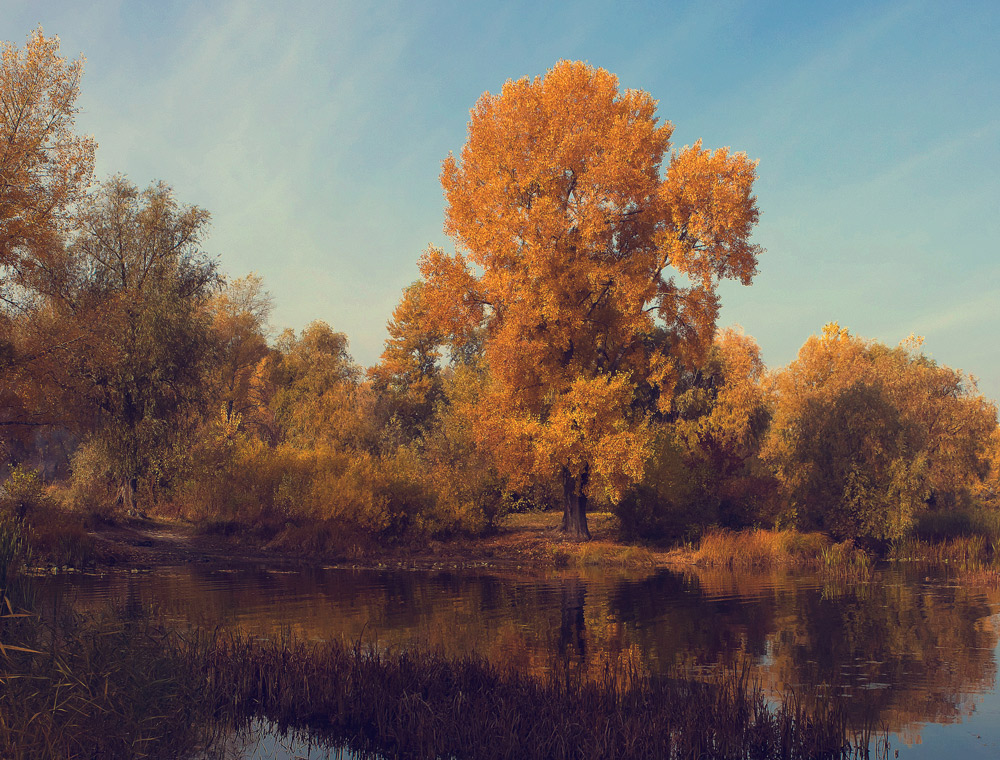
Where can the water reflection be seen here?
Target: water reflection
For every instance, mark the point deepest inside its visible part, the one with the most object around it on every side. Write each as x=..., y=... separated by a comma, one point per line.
x=910, y=650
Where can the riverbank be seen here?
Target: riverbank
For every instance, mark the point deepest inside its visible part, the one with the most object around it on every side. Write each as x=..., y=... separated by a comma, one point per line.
x=527, y=541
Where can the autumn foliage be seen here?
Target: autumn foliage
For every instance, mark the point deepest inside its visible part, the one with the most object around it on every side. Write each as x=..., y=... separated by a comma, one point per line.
x=564, y=355
x=598, y=272
x=865, y=436
x=44, y=166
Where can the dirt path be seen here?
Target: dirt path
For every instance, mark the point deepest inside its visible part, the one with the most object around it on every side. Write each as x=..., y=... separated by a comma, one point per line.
x=149, y=543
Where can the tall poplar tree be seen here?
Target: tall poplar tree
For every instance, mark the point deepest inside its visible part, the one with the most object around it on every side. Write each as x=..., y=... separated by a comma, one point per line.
x=592, y=269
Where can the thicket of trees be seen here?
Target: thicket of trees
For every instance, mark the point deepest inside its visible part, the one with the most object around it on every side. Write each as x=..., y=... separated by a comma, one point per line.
x=565, y=355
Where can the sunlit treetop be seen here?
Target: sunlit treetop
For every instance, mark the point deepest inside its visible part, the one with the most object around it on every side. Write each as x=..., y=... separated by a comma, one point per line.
x=44, y=165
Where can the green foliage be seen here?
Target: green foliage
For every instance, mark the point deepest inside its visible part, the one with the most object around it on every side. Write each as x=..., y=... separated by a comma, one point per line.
x=858, y=475
x=669, y=503
x=705, y=469
x=961, y=523
x=864, y=436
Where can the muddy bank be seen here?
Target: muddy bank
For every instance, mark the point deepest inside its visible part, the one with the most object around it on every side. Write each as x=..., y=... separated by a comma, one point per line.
x=528, y=541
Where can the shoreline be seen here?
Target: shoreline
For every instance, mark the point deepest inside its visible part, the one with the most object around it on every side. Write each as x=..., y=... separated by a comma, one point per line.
x=530, y=543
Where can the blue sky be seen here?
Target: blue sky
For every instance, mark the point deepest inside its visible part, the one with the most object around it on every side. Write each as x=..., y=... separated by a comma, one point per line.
x=314, y=133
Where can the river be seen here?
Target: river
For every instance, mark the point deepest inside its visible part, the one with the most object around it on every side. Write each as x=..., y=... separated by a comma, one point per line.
x=915, y=648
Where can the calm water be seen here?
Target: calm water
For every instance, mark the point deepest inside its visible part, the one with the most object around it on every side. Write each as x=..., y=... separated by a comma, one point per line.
x=918, y=651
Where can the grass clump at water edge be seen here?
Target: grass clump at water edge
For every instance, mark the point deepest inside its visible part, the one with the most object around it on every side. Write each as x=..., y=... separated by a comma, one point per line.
x=759, y=549
x=967, y=539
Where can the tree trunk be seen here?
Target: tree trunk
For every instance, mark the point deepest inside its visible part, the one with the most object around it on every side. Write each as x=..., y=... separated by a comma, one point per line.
x=126, y=495
x=574, y=522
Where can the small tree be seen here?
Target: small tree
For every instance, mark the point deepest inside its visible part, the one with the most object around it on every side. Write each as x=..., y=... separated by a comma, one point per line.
x=407, y=377
x=239, y=327
x=136, y=299
x=864, y=435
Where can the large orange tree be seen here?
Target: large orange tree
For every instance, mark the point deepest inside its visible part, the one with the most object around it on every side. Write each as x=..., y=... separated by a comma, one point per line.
x=592, y=269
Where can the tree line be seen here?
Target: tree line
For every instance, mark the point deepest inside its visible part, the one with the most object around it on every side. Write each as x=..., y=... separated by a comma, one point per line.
x=565, y=355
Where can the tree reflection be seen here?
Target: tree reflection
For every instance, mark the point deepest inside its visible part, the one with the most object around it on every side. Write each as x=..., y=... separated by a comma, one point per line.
x=900, y=650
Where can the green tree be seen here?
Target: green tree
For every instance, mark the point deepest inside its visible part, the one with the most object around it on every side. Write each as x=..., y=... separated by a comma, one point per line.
x=137, y=299
x=705, y=468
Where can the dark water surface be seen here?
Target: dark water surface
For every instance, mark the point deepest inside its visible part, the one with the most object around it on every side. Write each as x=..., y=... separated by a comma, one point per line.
x=915, y=649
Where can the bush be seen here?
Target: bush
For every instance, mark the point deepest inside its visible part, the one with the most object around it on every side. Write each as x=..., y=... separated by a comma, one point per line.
x=90, y=487
x=22, y=494
x=669, y=504
x=55, y=535
x=963, y=523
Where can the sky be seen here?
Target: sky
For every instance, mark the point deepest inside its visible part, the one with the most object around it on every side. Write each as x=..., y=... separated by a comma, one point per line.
x=314, y=134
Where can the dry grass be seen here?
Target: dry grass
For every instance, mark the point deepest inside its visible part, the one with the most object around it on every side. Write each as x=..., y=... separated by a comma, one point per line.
x=965, y=552
x=123, y=685
x=760, y=549
x=120, y=686
x=414, y=705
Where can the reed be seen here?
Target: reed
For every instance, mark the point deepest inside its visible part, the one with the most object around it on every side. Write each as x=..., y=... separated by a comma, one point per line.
x=121, y=686
x=971, y=553
x=125, y=685
x=413, y=705
x=13, y=552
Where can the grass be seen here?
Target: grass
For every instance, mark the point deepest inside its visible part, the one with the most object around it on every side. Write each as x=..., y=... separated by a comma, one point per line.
x=414, y=705
x=600, y=554
x=125, y=685
x=958, y=523
x=119, y=686
x=13, y=553
x=968, y=540
x=760, y=549
x=965, y=552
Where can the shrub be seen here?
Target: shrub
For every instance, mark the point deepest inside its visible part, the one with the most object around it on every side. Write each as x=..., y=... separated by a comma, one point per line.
x=90, y=488
x=22, y=494
x=669, y=504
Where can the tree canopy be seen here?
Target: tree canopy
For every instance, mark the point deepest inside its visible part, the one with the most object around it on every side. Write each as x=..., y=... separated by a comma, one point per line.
x=865, y=435
x=592, y=269
x=44, y=166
